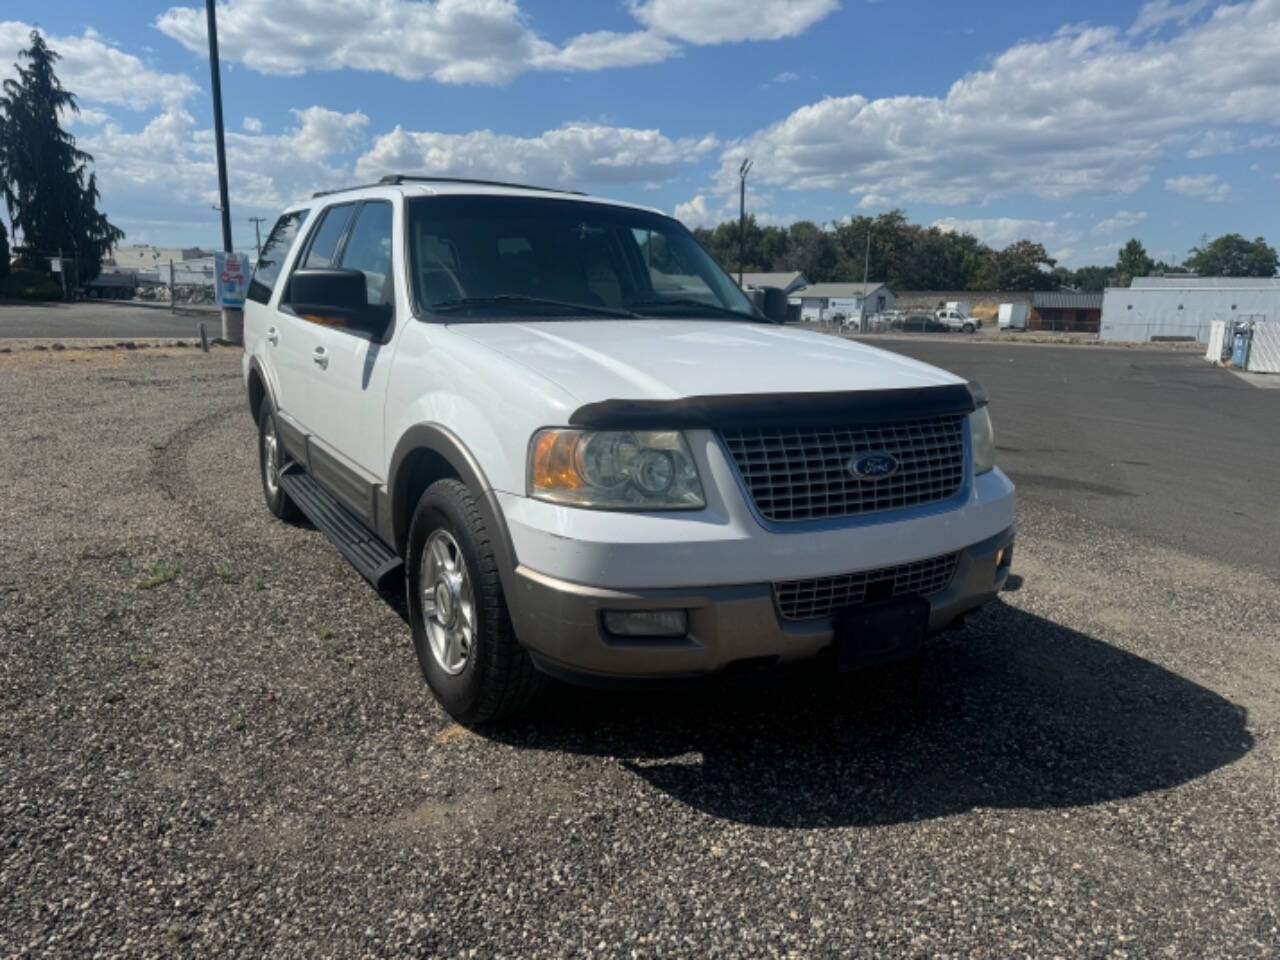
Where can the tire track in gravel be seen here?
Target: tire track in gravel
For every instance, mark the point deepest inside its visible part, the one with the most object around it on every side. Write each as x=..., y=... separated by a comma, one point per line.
x=170, y=470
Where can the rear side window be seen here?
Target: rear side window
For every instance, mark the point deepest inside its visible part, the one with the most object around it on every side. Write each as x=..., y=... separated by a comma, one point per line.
x=369, y=249
x=271, y=259
x=328, y=234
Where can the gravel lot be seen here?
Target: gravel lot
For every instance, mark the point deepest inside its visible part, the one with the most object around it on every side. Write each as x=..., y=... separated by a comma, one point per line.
x=216, y=742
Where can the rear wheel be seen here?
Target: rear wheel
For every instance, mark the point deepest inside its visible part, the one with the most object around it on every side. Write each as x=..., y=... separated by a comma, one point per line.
x=270, y=462
x=462, y=631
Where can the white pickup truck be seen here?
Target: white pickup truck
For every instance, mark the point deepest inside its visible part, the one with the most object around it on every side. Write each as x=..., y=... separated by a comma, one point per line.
x=957, y=316
x=589, y=454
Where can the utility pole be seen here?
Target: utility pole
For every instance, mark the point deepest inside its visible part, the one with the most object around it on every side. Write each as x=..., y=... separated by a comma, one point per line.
x=257, y=233
x=866, y=270
x=232, y=319
x=742, y=216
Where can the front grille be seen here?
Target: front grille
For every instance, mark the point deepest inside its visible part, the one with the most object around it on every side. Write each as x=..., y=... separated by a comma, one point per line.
x=802, y=473
x=821, y=597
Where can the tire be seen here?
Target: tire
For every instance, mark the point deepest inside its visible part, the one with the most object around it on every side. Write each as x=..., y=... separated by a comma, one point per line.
x=968, y=328
x=476, y=669
x=270, y=456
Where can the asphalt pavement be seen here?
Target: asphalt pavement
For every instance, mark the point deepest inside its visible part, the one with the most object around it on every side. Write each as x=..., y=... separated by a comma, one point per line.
x=102, y=319
x=1148, y=440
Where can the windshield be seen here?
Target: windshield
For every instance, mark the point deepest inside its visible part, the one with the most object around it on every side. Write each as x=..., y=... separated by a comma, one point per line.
x=483, y=257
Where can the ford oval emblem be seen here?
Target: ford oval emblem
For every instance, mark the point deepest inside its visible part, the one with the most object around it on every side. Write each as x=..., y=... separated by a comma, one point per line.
x=874, y=466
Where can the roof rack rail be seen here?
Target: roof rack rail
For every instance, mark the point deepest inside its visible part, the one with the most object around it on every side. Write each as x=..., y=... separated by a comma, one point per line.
x=329, y=193
x=397, y=178
x=394, y=179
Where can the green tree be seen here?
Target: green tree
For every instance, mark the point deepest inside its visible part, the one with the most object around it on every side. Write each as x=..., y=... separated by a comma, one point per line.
x=1231, y=255
x=1023, y=265
x=1132, y=261
x=51, y=195
x=812, y=251
x=4, y=252
x=1093, y=278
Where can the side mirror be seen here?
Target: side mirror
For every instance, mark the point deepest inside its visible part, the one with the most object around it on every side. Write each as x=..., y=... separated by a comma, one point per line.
x=771, y=302
x=339, y=297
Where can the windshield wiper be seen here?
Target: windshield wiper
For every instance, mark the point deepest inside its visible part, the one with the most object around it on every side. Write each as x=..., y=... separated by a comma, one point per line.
x=690, y=302
x=520, y=300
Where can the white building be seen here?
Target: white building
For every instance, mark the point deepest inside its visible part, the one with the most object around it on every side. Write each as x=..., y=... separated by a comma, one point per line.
x=851, y=300
x=143, y=256
x=1184, y=307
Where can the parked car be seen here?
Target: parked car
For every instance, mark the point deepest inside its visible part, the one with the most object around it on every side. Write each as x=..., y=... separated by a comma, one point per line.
x=921, y=323
x=482, y=389
x=956, y=321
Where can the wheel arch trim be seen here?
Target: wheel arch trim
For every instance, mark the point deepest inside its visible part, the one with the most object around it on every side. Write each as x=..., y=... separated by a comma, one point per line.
x=394, y=522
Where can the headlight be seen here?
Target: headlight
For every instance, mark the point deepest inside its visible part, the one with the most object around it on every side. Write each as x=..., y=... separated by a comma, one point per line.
x=984, y=440
x=614, y=470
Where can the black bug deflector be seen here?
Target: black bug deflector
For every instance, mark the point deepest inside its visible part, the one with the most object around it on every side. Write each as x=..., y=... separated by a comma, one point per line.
x=780, y=409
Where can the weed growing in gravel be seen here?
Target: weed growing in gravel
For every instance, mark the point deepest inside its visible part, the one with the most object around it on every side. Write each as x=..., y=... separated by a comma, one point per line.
x=237, y=722
x=226, y=574
x=145, y=661
x=158, y=574
x=259, y=583
x=326, y=633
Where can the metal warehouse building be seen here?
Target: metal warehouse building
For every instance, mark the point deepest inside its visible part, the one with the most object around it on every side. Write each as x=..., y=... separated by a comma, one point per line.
x=1183, y=308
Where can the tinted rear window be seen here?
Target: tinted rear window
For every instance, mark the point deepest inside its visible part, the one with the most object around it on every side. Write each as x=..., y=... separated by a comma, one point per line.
x=328, y=233
x=271, y=259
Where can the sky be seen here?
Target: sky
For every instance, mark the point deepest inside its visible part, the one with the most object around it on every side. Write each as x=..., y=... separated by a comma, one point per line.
x=1076, y=124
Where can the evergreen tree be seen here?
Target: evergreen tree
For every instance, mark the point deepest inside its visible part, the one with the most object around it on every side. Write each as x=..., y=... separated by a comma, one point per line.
x=51, y=195
x=1132, y=261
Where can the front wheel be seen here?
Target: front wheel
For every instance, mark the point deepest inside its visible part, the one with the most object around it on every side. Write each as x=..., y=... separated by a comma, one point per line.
x=462, y=631
x=968, y=328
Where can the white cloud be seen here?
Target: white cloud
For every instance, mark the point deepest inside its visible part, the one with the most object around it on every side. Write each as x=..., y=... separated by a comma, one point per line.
x=575, y=154
x=1156, y=13
x=451, y=41
x=1120, y=220
x=97, y=72
x=786, y=76
x=697, y=213
x=1086, y=111
x=1206, y=186
x=999, y=232
x=604, y=49
x=253, y=124
x=730, y=21
x=173, y=159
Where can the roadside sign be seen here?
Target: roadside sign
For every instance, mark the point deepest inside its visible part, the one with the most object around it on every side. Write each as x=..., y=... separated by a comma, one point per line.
x=55, y=264
x=231, y=273
x=849, y=307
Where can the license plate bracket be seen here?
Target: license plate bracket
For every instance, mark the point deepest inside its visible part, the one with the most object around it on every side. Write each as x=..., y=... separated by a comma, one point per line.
x=878, y=633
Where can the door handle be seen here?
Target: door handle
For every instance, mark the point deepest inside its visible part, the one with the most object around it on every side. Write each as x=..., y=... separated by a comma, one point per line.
x=273, y=336
x=321, y=358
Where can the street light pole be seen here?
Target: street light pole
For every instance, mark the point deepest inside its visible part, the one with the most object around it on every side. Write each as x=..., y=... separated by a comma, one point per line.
x=232, y=320
x=742, y=216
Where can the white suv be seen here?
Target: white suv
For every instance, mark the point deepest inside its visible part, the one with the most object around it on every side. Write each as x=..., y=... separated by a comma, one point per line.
x=593, y=455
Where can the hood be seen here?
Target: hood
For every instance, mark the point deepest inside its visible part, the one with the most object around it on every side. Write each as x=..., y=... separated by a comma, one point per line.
x=597, y=360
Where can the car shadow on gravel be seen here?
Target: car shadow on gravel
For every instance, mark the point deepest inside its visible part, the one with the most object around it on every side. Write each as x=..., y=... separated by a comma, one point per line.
x=1015, y=711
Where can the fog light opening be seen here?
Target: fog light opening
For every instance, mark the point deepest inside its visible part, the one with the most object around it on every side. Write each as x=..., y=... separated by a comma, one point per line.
x=647, y=623
x=1004, y=557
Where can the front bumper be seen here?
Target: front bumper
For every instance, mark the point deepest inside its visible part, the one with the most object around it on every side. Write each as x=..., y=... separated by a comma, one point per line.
x=561, y=622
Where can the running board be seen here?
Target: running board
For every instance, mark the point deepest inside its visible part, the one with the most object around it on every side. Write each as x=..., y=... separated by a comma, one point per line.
x=354, y=540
